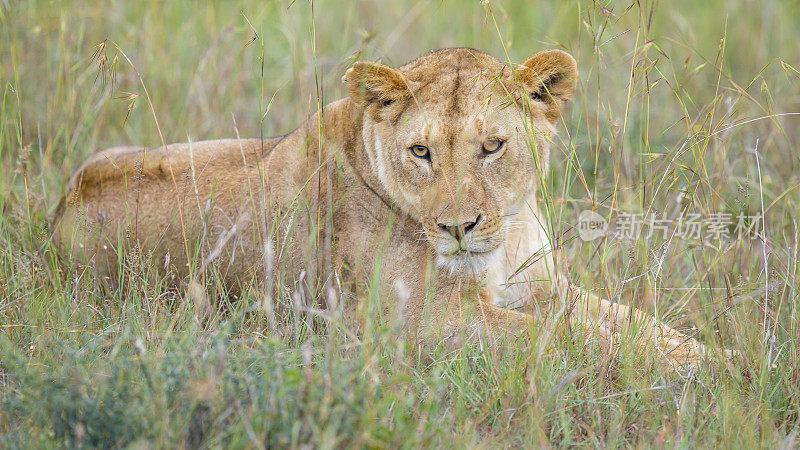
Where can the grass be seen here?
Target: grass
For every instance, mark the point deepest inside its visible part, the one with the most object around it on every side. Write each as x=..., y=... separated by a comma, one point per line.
x=681, y=106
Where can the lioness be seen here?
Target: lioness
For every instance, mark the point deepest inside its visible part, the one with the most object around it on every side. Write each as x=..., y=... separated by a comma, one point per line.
x=419, y=188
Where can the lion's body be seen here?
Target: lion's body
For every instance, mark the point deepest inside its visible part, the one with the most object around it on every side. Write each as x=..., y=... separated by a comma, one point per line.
x=341, y=200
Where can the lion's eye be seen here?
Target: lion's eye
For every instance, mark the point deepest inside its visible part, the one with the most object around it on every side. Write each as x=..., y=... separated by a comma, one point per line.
x=420, y=151
x=493, y=146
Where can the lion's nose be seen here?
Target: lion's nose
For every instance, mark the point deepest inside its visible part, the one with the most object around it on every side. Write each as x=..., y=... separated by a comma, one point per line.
x=460, y=230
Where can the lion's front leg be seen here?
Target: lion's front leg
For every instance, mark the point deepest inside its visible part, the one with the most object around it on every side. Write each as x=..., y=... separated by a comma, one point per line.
x=615, y=319
x=461, y=314
x=501, y=321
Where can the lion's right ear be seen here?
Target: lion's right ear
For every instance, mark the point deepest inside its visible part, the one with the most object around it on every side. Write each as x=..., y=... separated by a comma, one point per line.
x=373, y=82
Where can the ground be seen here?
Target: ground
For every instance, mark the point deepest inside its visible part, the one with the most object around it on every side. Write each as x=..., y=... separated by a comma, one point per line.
x=687, y=109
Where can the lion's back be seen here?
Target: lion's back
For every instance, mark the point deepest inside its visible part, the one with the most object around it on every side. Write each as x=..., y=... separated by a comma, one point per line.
x=135, y=194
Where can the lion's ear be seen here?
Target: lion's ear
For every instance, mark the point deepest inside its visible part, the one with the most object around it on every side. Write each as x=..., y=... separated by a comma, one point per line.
x=549, y=77
x=373, y=82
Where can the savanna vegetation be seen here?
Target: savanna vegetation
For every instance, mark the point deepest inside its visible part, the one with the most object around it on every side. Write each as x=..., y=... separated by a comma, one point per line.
x=686, y=111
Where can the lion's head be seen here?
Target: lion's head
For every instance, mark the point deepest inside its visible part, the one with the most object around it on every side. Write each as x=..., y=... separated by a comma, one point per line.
x=459, y=140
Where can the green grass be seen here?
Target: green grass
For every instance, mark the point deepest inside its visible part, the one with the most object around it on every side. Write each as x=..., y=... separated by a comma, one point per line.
x=672, y=99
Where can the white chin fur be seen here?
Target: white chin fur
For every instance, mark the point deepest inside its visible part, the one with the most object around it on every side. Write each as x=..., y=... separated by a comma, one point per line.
x=467, y=264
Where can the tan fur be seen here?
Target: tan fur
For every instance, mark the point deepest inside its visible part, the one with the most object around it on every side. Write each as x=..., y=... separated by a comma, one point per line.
x=343, y=195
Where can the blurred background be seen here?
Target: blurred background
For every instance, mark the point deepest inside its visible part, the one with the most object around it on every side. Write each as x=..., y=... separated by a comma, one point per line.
x=683, y=107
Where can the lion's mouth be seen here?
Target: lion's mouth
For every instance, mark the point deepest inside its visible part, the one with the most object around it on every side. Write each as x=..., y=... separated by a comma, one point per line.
x=471, y=247
x=467, y=252
x=467, y=262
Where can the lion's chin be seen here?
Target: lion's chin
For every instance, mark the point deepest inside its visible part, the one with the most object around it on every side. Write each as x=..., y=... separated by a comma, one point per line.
x=467, y=264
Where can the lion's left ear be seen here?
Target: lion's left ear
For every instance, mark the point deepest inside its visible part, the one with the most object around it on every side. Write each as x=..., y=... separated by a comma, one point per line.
x=549, y=77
